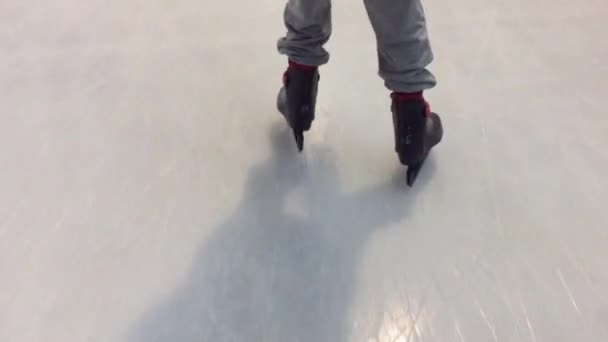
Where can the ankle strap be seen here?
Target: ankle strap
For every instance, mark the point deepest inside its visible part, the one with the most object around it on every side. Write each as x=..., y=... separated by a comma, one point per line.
x=297, y=66
x=408, y=97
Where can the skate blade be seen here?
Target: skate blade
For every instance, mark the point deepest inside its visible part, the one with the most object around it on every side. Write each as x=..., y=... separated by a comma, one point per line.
x=299, y=137
x=412, y=173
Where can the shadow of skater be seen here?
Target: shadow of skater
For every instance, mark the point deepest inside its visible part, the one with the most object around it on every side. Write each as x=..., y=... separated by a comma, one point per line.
x=282, y=267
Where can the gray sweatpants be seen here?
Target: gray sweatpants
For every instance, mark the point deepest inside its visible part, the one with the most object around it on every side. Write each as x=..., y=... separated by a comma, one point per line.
x=403, y=46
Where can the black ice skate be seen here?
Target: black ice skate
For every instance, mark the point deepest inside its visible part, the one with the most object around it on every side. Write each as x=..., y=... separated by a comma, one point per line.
x=417, y=131
x=297, y=99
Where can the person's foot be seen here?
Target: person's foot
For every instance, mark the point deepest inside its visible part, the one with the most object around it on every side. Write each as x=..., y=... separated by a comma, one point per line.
x=297, y=98
x=417, y=131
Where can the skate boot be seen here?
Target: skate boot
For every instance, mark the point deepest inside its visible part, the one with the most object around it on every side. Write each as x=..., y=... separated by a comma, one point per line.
x=297, y=99
x=417, y=131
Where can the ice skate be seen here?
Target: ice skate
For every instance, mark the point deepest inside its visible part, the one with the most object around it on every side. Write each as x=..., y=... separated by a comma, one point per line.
x=297, y=99
x=417, y=131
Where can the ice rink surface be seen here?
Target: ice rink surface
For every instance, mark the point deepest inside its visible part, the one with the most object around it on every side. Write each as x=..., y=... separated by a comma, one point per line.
x=150, y=191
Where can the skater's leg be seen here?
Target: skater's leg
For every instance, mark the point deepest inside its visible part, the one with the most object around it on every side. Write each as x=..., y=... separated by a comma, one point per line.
x=404, y=50
x=308, y=25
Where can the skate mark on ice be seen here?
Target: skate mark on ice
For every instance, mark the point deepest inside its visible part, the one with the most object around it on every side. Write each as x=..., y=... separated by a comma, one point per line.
x=568, y=291
x=524, y=309
x=485, y=318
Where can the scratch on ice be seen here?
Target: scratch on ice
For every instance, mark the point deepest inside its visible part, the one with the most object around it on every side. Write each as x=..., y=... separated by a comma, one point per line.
x=567, y=288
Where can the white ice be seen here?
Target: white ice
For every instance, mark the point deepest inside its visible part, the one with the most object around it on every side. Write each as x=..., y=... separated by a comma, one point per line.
x=150, y=191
